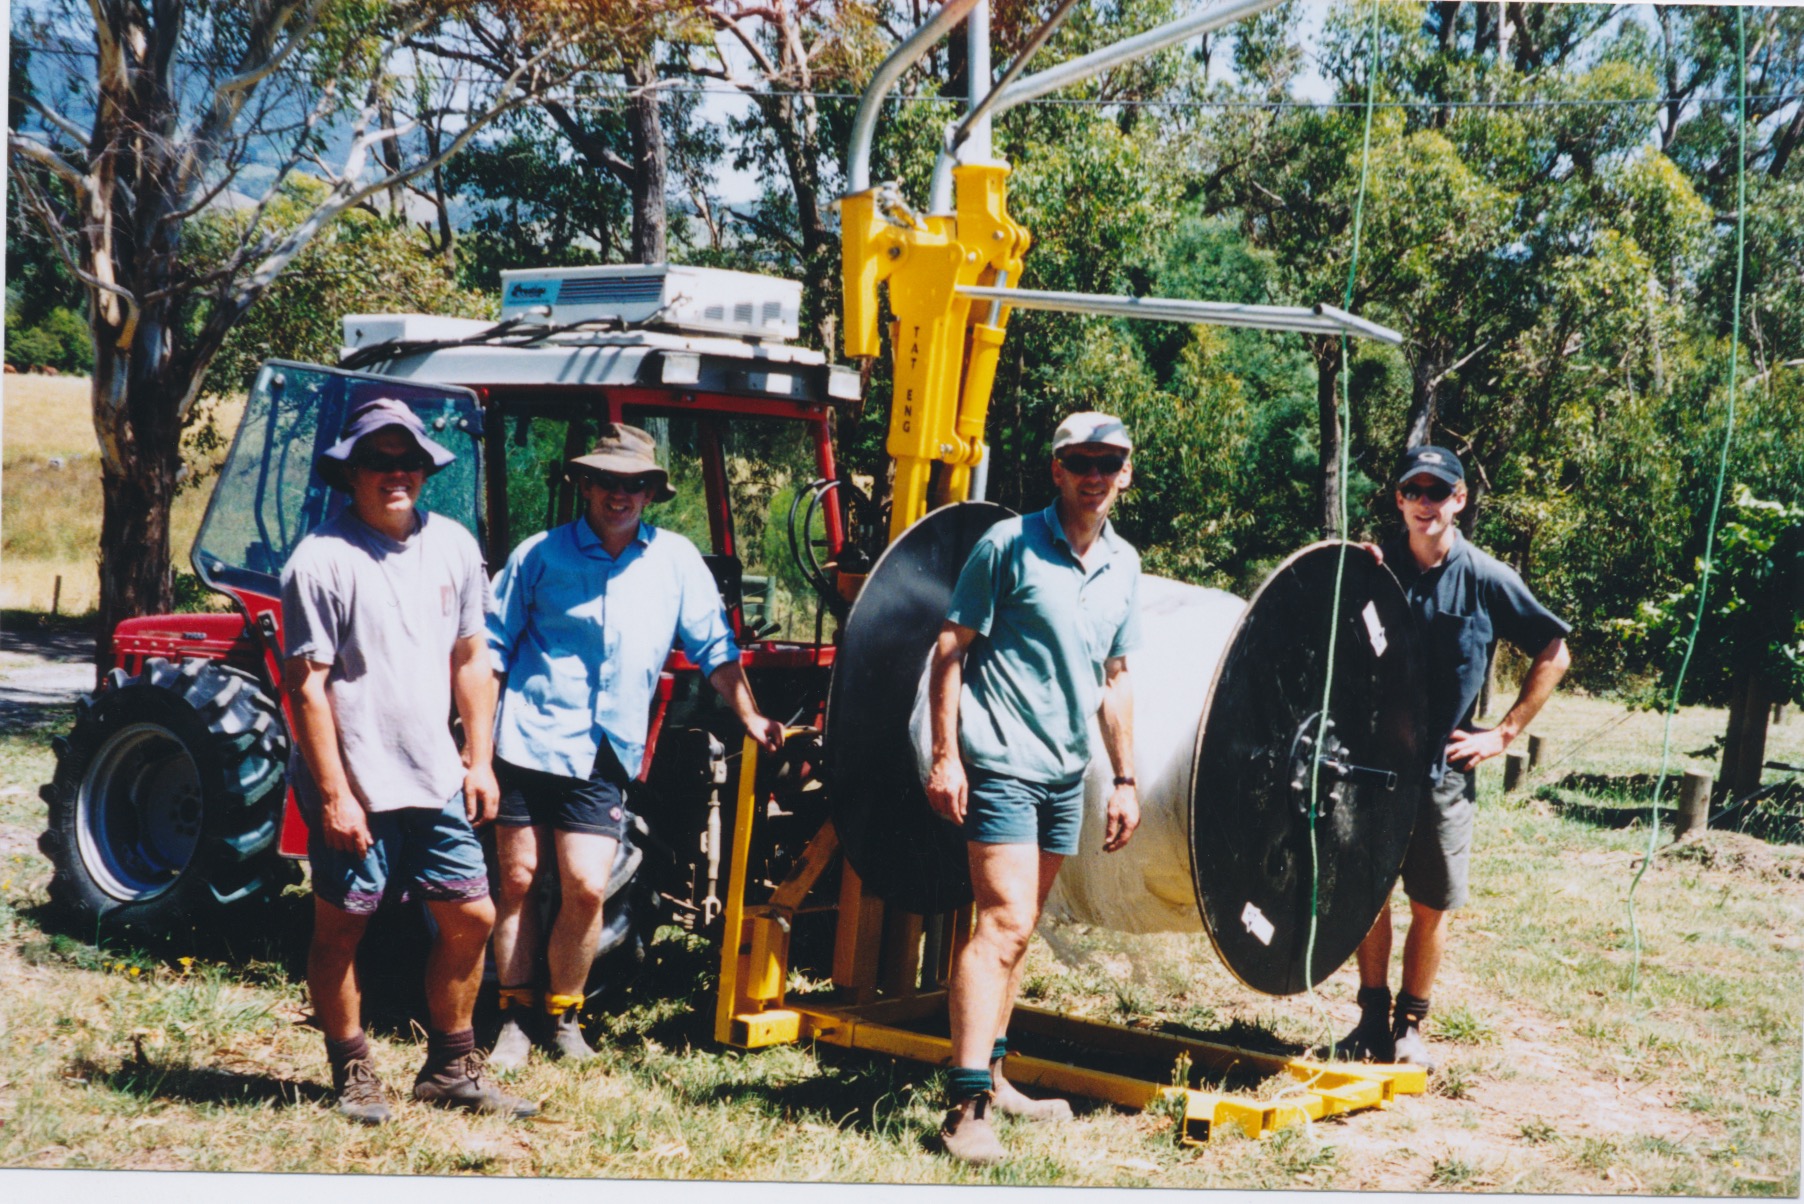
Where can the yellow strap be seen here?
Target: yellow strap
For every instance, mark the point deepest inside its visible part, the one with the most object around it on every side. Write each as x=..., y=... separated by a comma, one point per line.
x=518, y=997
x=557, y=1005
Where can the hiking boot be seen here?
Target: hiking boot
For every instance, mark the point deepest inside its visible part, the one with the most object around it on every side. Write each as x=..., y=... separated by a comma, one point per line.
x=1007, y=1100
x=512, y=1044
x=1366, y=1043
x=1370, y=1040
x=968, y=1135
x=361, y=1096
x=1408, y=1045
x=459, y=1084
x=1406, y=1031
x=567, y=1039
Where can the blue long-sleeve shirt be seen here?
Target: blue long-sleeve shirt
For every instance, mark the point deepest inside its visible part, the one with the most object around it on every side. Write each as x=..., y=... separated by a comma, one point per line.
x=582, y=636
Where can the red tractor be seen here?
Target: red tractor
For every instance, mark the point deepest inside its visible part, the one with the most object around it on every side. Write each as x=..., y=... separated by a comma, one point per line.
x=169, y=803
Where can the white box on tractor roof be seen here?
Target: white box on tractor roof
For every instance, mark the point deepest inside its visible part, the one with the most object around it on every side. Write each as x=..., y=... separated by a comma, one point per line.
x=702, y=300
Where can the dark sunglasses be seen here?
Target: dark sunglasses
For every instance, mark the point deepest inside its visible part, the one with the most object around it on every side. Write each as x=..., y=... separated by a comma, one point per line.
x=413, y=461
x=613, y=483
x=1434, y=493
x=1079, y=464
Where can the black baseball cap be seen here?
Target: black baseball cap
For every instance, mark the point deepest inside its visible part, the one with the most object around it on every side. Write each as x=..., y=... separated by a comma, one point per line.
x=1436, y=462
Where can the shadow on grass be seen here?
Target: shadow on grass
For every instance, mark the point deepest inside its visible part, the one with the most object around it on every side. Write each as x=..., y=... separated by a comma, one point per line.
x=202, y=1085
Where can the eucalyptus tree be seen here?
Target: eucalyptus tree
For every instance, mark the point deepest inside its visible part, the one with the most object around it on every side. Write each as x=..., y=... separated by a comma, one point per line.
x=172, y=110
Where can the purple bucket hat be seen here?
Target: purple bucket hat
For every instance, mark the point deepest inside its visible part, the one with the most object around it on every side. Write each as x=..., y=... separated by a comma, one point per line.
x=367, y=418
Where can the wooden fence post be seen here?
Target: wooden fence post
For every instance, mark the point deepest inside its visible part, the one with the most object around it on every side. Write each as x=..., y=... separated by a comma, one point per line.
x=1694, y=805
x=1515, y=768
x=1537, y=751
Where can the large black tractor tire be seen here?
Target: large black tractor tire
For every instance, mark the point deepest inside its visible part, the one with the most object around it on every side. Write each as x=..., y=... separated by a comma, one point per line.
x=166, y=801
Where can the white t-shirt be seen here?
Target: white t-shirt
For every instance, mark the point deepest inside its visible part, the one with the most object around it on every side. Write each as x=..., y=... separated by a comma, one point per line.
x=384, y=614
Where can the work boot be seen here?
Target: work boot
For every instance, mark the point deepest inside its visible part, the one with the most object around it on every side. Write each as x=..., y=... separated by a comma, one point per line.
x=512, y=1044
x=361, y=1096
x=567, y=1038
x=1406, y=1031
x=968, y=1135
x=1007, y=1100
x=459, y=1084
x=1370, y=1040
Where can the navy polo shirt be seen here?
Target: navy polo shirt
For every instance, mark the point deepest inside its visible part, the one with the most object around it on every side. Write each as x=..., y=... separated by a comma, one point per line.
x=1463, y=606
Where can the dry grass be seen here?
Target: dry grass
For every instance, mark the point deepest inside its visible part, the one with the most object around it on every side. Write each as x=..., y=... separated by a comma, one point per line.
x=51, y=514
x=1557, y=1076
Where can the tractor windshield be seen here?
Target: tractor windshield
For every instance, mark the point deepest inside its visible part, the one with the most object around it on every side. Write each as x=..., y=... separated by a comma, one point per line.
x=268, y=496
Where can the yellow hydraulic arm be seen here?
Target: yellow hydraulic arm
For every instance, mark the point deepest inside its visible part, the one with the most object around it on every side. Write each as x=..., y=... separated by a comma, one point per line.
x=945, y=348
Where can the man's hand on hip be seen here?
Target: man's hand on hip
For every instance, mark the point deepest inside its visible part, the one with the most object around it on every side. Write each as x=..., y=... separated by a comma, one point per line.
x=345, y=826
x=1466, y=749
x=947, y=789
x=1123, y=818
x=482, y=794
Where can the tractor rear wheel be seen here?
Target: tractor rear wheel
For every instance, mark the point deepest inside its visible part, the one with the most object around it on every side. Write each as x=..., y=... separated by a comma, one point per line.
x=166, y=800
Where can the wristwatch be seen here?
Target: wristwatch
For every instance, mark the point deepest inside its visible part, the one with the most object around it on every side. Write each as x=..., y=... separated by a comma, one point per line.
x=1126, y=782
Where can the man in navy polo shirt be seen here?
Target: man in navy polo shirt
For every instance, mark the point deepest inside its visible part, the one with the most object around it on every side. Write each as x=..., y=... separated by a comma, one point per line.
x=1463, y=601
x=1034, y=644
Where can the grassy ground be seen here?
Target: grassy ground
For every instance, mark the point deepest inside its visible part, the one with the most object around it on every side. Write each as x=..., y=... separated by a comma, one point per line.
x=50, y=502
x=1567, y=1067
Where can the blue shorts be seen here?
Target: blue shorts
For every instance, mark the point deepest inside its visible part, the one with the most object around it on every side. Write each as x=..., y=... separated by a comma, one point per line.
x=434, y=851
x=1004, y=810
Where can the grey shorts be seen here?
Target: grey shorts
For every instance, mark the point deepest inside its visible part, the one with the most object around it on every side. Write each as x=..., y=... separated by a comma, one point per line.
x=1437, y=865
x=1004, y=810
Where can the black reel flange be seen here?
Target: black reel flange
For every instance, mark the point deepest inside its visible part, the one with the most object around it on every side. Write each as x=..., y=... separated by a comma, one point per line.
x=907, y=855
x=1263, y=866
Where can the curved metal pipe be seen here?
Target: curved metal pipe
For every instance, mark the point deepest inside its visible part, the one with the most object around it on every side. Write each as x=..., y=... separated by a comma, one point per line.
x=864, y=125
x=1007, y=95
x=1147, y=43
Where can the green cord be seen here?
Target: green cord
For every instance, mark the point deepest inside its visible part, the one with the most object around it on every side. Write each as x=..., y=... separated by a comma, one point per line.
x=1344, y=416
x=1722, y=473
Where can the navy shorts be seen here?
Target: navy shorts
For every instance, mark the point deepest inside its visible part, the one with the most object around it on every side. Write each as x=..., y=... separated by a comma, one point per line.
x=1437, y=865
x=595, y=805
x=435, y=853
x=1004, y=810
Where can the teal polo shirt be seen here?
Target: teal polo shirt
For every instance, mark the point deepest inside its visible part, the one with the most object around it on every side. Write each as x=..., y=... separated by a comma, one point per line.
x=1045, y=626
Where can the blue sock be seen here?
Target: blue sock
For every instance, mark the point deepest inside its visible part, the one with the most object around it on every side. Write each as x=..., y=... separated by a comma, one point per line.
x=963, y=1082
x=999, y=1050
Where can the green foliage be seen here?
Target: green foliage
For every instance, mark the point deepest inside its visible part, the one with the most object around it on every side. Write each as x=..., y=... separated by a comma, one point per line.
x=363, y=263
x=1754, y=614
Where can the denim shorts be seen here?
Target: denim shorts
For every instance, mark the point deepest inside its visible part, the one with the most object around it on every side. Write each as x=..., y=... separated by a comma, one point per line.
x=434, y=855
x=1004, y=810
x=1437, y=865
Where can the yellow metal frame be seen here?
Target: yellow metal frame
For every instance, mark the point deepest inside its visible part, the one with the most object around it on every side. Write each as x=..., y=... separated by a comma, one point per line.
x=945, y=357
x=878, y=959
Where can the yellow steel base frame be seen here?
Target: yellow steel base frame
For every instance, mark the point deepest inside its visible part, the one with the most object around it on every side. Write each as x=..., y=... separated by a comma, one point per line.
x=752, y=1009
x=1321, y=1088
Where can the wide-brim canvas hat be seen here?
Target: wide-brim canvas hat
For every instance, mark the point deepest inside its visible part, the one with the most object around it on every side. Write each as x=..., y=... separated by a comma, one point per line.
x=624, y=451
x=366, y=419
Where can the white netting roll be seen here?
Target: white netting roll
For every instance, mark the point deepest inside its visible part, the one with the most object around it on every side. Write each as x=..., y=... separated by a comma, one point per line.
x=1145, y=887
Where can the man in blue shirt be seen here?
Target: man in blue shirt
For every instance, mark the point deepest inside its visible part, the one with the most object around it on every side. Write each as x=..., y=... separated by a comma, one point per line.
x=1463, y=600
x=1035, y=643
x=582, y=620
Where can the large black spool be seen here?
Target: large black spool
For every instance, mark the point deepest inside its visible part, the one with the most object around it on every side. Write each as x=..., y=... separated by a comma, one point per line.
x=907, y=855
x=1256, y=877
x=1249, y=826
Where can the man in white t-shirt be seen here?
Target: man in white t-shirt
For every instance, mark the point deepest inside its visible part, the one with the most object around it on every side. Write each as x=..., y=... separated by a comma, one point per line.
x=382, y=611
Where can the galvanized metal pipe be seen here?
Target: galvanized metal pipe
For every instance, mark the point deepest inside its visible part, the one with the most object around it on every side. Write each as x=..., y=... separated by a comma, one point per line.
x=1007, y=95
x=1319, y=319
x=864, y=125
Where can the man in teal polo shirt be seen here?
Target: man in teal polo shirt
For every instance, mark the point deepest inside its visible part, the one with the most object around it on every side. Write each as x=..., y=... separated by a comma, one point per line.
x=1035, y=642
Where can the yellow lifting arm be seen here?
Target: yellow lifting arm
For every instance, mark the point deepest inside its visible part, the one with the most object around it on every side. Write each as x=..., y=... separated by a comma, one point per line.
x=945, y=361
